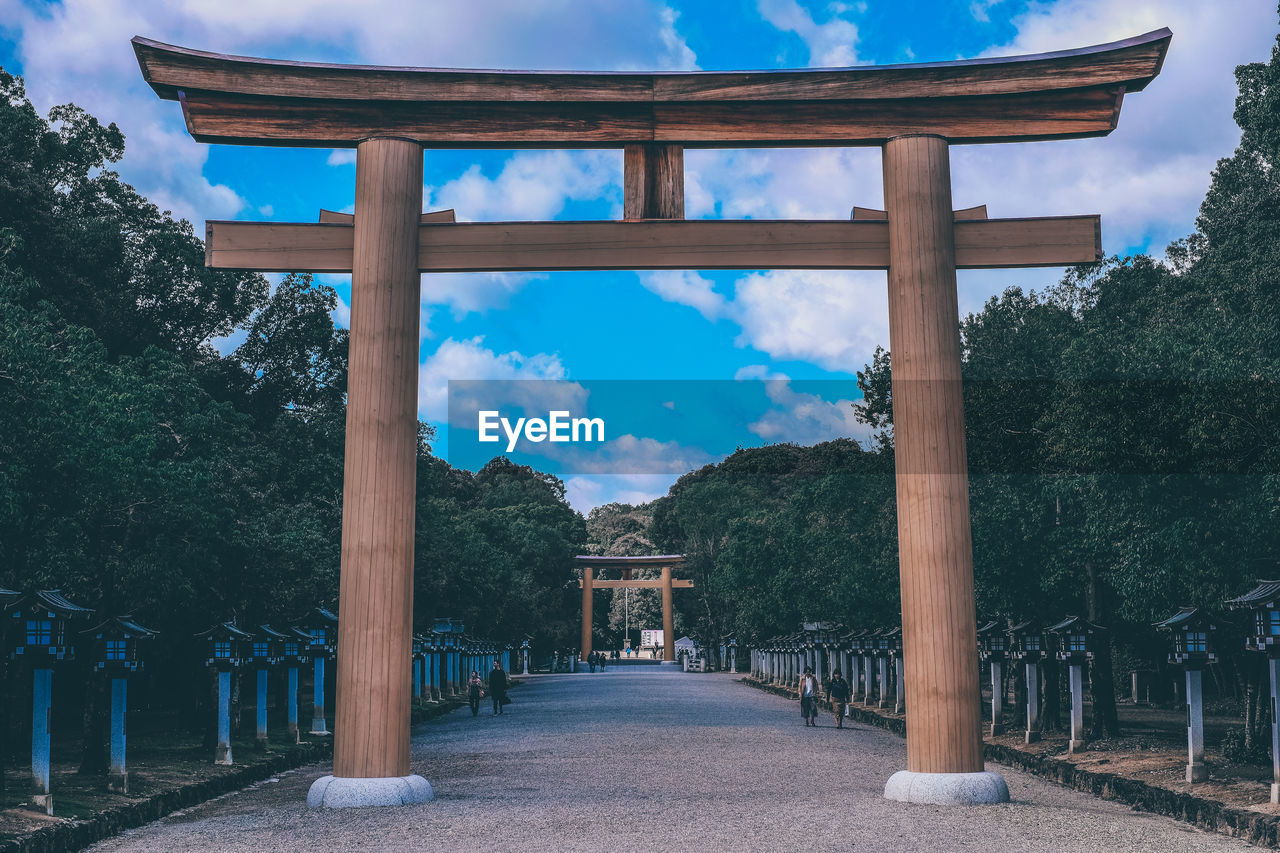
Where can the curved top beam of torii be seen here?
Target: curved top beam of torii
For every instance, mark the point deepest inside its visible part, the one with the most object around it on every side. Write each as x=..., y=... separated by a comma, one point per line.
x=242, y=100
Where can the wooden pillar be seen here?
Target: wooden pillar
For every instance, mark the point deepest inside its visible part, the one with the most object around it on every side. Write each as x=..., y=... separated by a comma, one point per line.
x=668, y=622
x=934, y=540
x=371, y=729
x=588, y=599
x=653, y=181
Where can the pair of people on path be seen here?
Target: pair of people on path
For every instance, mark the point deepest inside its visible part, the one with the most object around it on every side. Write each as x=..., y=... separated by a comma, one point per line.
x=810, y=690
x=497, y=689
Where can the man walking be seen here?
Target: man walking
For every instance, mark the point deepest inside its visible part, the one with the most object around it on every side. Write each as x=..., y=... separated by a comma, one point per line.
x=838, y=693
x=497, y=688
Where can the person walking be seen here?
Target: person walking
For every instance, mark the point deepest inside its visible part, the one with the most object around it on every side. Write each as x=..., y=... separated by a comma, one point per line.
x=809, y=690
x=475, y=689
x=838, y=693
x=498, y=687
x=591, y=661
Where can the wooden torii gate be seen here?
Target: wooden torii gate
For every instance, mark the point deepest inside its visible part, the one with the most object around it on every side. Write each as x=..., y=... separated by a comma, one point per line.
x=665, y=582
x=914, y=113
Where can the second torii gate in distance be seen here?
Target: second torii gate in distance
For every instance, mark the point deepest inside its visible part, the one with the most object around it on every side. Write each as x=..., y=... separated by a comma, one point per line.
x=665, y=582
x=913, y=113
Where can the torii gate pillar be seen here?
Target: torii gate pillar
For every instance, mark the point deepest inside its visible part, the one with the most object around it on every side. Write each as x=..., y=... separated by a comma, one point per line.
x=935, y=547
x=371, y=732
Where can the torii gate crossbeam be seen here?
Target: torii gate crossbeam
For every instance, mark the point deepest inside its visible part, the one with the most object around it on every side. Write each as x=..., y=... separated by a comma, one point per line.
x=913, y=112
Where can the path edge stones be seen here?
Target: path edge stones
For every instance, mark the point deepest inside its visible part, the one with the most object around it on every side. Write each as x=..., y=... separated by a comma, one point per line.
x=74, y=835
x=1207, y=814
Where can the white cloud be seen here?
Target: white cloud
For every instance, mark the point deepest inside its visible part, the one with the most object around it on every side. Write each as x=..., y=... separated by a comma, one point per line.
x=477, y=291
x=805, y=418
x=585, y=492
x=686, y=287
x=341, y=157
x=831, y=43
x=471, y=360
x=832, y=319
x=532, y=185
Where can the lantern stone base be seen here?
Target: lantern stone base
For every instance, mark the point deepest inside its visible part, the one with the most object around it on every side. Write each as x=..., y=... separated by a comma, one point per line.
x=1075, y=745
x=1032, y=737
x=344, y=792
x=118, y=783
x=947, y=789
x=1275, y=792
x=222, y=754
x=42, y=803
x=1198, y=771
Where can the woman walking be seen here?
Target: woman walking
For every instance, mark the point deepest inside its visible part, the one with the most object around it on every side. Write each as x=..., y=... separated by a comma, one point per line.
x=809, y=687
x=475, y=689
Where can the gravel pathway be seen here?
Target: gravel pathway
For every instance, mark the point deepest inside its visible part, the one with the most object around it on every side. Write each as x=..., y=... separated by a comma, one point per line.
x=653, y=759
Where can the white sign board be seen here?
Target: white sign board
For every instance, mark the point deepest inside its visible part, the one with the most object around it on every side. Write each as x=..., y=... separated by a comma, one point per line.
x=650, y=638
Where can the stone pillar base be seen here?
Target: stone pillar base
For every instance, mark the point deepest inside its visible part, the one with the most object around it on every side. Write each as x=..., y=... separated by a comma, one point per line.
x=222, y=755
x=1075, y=745
x=1275, y=792
x=670, y=663
x=997, y=729
x=1032, y=737
x=118, y=783
x=42, y=803
x=260, y=744
x=319, y=728
x=343, y=792
x=947, y=789
x=1198, y=771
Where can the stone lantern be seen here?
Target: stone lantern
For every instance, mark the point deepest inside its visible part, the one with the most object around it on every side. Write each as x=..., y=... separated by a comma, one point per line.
x=417, y=661
x=524, y=656
x=116, y=655
x=1191, y=631
x=39, y=640
x=733, y=655
x=226, y=649
x=884, y=647
x=1076, y=641
x=266, y=652
x=870, y=645
x=321, y=629
x=858, y=645
x=1264, y=602
x=993, y=648
x=1026, y=644
x=894, y=636
x=449, y=636
x=293, y=653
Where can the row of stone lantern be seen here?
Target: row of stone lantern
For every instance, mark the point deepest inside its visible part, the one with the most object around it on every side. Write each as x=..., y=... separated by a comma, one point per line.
x=40, y=637
x=865, y=656
x=1072, y=640
x=230, y=647
x=445, y=657
x=441, y=661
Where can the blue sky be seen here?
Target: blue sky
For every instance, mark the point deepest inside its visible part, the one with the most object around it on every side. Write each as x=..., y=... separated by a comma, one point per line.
x=790, y=327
